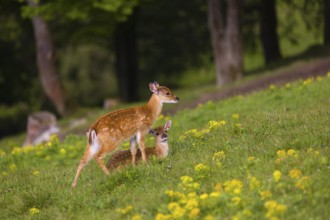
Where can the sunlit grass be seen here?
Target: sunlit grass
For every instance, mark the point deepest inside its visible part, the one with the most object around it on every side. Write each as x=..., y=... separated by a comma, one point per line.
x=263, y=156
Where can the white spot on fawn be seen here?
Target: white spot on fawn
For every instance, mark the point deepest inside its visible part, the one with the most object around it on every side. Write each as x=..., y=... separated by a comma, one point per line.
x=95, y=146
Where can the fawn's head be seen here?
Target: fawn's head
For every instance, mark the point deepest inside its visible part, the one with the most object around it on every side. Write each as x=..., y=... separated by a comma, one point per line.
x=160, y=133
x=164, y=93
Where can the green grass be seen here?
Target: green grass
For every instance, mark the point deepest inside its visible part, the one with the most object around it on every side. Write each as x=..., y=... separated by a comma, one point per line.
x=251, y=137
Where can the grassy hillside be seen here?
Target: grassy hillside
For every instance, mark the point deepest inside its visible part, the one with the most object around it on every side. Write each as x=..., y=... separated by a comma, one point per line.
x=263, y=156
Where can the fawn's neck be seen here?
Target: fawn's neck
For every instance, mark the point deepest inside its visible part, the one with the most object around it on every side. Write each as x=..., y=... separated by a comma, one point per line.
x=162, y=149
x=155, y=106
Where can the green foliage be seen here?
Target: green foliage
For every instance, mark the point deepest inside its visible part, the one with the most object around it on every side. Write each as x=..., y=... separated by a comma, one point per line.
x=87, y=75
x=262, y=156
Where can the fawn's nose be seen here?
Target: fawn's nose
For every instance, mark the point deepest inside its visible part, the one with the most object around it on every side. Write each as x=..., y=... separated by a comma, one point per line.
x=164, y=136
x=177, y=98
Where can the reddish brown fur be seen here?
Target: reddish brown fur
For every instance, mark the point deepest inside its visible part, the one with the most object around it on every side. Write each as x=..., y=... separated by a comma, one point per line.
x=113, y=128
x=124, y=157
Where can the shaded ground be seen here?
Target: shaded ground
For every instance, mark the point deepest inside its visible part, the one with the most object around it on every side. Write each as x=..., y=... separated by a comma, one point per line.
x=301, y=71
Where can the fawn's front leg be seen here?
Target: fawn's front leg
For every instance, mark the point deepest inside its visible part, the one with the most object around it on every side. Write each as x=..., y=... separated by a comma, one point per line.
x=141, y=138
x=133, y=149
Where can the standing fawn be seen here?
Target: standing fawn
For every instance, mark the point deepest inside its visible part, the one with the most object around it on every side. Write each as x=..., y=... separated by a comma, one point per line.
x=113, y=128
x=124, y=157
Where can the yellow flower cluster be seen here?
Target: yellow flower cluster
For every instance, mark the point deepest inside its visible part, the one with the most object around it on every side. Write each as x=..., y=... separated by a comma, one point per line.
x=265, y=194
x=34, y=211
x=254, y=183
x=277, y=175
x=212, y=125
x=308, y=81
x=125, y=211
x=202, y=170
x=274, y=209
x=218, y=158
x=233, y=186
x=235, y=116
x=283, y=155
x=187, y=184
x=304, y=183
x=294, y=174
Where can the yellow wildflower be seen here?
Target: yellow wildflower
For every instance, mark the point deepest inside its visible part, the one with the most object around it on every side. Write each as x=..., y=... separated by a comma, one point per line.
x=191, y=203
x=307, y=81
x=247, y=212
x=208, y=217
x=294, y=174
x=194, y=213
x=4, y=173
x=319, y=78
x=188, y=184
x=251, y=158
x=34, y=211
x=161, y=216
x=254, y=183
x=35, y=173
x=274, y=209
x=233, y=186
x=202, y=170
x=12, y=167
x=236, y=200
x=63, y=151
x=277, y=175
x=292, y=153
x=235, y=116
x=218, y=187
x=137, y=217
x=265, y=194
x=223, y=122
x=214, y=194
x=281, y=153
x=304, y=183
x=173, y=205
x=272, y=87
x=328, y=74
x=287, y=85
x=178, y=212
x=218, y=157
x=16, y=151
x=125, y=211
x=204, y=196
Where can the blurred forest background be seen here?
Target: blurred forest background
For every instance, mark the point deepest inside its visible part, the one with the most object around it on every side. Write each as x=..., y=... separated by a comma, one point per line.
x=61, y=55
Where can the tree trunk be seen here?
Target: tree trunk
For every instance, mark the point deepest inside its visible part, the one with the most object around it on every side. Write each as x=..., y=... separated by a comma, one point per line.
x=226, y=40
x=268, y=33
x=46, y=64
x=126, y=58
x=326, y=22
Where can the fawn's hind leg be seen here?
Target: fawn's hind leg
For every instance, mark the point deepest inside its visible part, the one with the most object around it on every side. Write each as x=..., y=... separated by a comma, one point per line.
x=100, y=162
x=84, y=160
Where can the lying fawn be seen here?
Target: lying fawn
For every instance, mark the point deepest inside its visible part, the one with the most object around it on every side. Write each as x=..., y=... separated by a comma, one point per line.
x=106, y=134
x=124, y=157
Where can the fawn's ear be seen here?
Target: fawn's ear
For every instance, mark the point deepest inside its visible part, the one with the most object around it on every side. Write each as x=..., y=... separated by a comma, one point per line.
x=154, y=87
x=168, y=125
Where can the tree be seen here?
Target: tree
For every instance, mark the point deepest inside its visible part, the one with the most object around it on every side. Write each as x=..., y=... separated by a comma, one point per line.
x=268, y=32
x=326, y=11
x=126, y=64
x=226, y=40
x=46, y=61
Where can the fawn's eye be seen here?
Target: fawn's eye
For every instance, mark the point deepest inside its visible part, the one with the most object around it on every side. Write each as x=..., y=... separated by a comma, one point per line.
x=167, y=93
x=157, y=134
